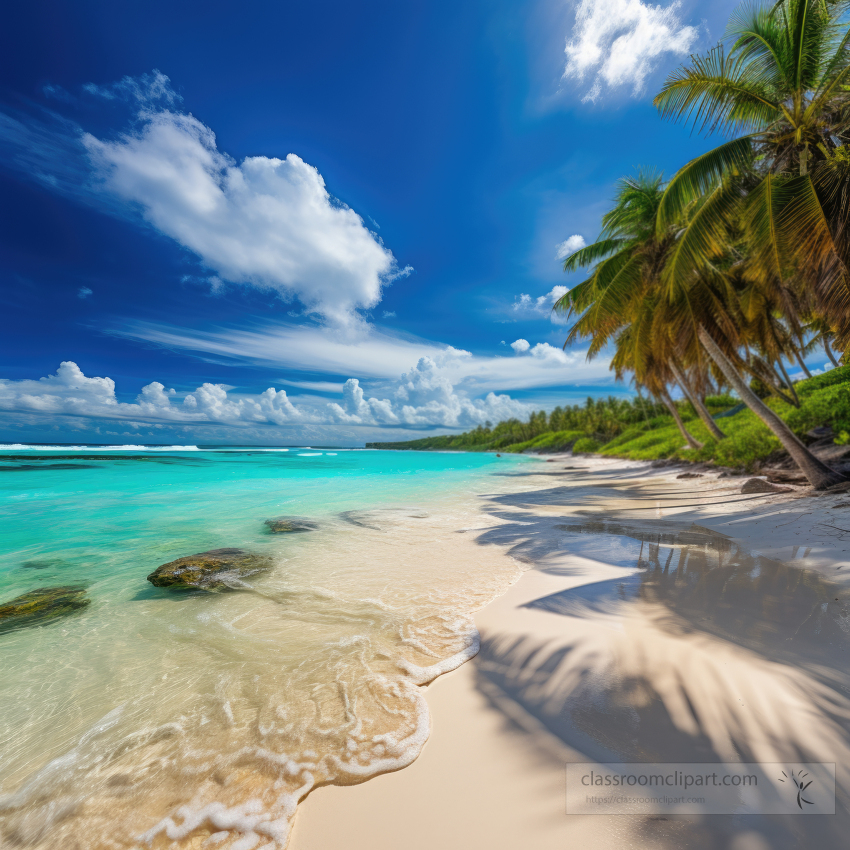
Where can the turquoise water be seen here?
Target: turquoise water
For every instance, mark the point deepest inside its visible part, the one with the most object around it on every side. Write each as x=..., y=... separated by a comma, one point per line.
x=155, y=715
x=109, y=522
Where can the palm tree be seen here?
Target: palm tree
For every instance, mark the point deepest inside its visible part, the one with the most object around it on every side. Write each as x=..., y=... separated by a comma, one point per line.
x=773, y=199
x=780, y=85
x=622, y=292
x=626, y=302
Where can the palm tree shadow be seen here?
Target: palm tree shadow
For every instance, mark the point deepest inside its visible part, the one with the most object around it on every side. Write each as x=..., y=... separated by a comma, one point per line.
x=723, y=655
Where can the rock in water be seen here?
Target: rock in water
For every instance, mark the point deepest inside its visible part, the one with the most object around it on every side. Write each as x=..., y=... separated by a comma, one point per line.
x=209, y=570
x=758, y=485
x=290, y=524
x=42, y=605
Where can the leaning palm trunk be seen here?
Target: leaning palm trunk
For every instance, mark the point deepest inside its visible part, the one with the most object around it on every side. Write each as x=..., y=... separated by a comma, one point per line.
x=789, y=383
x=697, y=402
x=674, y=412
x=803, y=366
x=820, y=476
x=828, y=351
x=769, y=377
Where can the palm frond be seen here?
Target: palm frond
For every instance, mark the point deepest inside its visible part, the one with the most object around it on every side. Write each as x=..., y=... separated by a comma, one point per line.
x=700, y=176
x=718, y=90
x=705, y=235
x=593, y=253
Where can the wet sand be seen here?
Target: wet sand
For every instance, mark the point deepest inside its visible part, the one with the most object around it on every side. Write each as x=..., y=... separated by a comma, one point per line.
x=657, y=620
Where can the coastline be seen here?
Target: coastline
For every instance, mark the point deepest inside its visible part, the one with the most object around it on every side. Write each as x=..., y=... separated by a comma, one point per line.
x=579, y=662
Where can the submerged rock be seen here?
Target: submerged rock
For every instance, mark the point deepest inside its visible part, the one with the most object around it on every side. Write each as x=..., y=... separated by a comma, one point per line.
x=379, y=519
x=42, y=564
x=290, y=525
x=42, y=605
x=209, y=570
x=759, y=485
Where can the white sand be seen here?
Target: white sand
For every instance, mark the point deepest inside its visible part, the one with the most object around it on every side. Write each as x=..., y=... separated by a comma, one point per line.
x=611, y=673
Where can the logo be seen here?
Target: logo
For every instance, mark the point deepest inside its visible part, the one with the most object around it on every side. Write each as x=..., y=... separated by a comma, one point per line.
x=798, y=782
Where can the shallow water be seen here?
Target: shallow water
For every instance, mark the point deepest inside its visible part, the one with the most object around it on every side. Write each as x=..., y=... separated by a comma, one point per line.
x=155, y=716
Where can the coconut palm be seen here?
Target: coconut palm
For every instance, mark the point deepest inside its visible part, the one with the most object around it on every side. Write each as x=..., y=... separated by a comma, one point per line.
x=780, y=85
x=628, y=259
x=658, y=329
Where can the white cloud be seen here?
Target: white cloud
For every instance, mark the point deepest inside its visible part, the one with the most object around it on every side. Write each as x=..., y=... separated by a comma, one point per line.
x=374, y=355
x=446, y=388
x=315, y=386
x=83, y=292
x=356, y=408
x=267, y=222
x=618, y=42
x=146, y=90
x=70, y=393
x=569, y=246
x=389, y=314
x=531, y=308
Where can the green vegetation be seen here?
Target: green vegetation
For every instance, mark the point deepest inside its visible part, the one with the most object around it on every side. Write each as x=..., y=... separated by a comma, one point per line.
x=555, y=432
x=639, y=430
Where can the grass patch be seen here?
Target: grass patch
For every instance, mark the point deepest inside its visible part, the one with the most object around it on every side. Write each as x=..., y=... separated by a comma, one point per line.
x=554, y=441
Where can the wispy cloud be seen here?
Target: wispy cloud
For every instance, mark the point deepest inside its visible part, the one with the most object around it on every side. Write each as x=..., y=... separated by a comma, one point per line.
x=375, y=355
x=84, y=292
x=616, y=43
x=147, y=90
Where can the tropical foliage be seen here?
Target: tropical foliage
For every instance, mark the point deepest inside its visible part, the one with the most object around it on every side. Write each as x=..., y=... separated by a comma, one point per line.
x=740, y=261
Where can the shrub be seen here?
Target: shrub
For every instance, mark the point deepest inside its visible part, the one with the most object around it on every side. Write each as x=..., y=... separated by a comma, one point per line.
x=839, y=375
x=827, y=406
x=586, y=445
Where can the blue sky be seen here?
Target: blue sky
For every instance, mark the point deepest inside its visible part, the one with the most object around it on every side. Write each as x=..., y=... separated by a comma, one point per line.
x=283, y=223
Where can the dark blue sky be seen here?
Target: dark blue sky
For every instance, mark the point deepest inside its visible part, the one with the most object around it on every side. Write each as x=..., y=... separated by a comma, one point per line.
x=446, y=127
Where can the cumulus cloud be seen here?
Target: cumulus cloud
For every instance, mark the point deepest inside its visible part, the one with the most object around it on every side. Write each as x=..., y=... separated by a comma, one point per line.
x=569, y=246
x=427, y=396
x=447, y=389
x=617, y=43
x=71, y=393
x=267, y=222
x=356, y=408
x=532, y=308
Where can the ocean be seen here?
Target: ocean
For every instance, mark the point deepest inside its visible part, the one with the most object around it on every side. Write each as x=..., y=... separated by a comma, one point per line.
x=151, y=715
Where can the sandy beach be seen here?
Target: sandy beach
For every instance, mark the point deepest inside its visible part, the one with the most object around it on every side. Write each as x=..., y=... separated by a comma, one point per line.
x=658, y=619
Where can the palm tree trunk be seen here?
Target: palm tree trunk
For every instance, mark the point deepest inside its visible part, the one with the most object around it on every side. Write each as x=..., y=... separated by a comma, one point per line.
x=674, y=412
x=803, y=366
x=819, y=474
x=768, y=379
x=788, y=383
x=828, y=351
x=696, y=402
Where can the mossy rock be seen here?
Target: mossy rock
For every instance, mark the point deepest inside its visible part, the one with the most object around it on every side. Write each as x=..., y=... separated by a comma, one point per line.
x=290, y=525
x=209, y=570
x=41, y=606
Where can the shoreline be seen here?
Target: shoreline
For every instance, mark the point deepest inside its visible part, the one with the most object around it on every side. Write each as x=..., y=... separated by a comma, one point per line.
x=579, y=663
